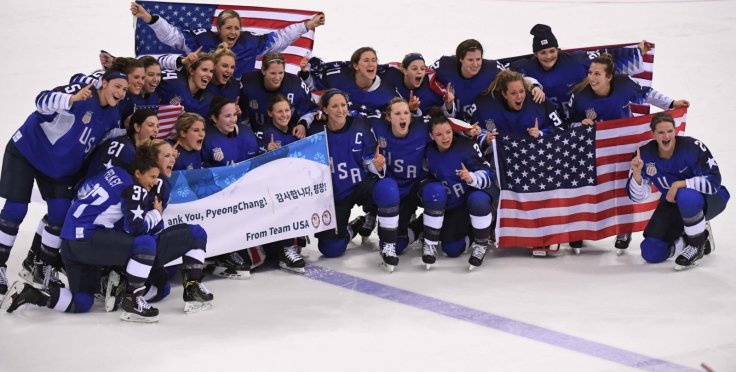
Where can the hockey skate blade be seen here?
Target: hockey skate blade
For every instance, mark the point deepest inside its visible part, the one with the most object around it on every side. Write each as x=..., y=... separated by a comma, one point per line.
x=130, y=317
x=427, y=266
x=294, y=270
x=685, y=268
x=364, y=239
x=193, y=307
x=576, y=251
x=223, y=273
x=471, y=267
x=539, y=252
x=386, y=267
x=26, y=275
x=113, y=280
x=620, y=251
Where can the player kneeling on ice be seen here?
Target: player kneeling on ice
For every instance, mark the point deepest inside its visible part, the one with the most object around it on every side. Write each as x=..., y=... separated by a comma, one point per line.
x=357, y=178
x=687, y=175
x=459, y=196
x=109, y=223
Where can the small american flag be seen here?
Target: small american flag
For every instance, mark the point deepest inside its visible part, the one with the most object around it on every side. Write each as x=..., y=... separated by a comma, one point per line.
x=167, y=115
x=572, y=185
x=258, y=20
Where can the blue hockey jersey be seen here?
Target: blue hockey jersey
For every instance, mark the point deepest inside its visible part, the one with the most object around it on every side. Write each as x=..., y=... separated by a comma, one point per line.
x=404, y=156
x=174, y=89
x=220, y=149
x=254, y=99
x=114, y=152
x=447, y=70
x=493, y=113
x=350, y=149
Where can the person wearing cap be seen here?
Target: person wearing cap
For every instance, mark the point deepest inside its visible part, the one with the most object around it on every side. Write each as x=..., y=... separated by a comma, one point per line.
x=259, y=87
x=468, y=75
x=412, y=83
x=358, y=177
x=247, y=46
x=50, y=148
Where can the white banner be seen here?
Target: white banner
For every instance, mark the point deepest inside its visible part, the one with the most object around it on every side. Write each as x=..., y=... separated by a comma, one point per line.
x=283, y=194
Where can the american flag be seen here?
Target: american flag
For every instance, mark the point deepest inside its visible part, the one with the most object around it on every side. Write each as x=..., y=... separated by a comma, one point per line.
x=572, y=185
x=258, y=20
x=167, y=115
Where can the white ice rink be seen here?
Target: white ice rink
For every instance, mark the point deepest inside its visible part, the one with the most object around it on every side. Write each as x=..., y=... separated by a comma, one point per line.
x=593, y=312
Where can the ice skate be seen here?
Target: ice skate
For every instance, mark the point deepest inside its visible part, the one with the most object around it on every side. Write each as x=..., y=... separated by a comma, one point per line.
x=3, y=281
x=576, y=245
x=354, y=226
x=135, y=308
x=388, y=254
x=622, y=241
x=429, y=253
x=693, y=252
x=22, y=293
x=365, y=230
x=113, y=290
x=291, y=260
x=232, y=266
x=477, y=255
x=196, y=297
x=710, y=244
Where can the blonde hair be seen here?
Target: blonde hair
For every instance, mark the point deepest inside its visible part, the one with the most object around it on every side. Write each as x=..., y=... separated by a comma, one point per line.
x=501, y=83
x=184, y=122
x=225, y=15
x=222, y=51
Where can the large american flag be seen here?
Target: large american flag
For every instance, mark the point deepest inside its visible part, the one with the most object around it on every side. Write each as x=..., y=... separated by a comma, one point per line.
x=258, y=20
x=572, y=185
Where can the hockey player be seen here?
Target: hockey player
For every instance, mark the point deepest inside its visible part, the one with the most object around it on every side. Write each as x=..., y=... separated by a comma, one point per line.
x=188, y=140
x=604, y=95
x=402, y=139
x=507, y=108
x=188, y=87
x=369, y=94
x=468, y=75
x=247, y=46
x=223, y=82
x=50, y=148
x=460, y=196
x=357, y=178
x=688, y=177
x=227, y=143
x=258, y=87
x=151, y=80
x=412, y=83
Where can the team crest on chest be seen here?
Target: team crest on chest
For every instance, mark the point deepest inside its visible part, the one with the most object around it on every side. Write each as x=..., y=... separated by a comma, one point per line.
x=217, y=154
x=490, y=125
x=651, y=169
x=253, y=104
x=87, y=117
x=382, y=142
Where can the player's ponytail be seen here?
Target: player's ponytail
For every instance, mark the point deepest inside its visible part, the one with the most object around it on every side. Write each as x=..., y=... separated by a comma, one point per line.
x=222, y=51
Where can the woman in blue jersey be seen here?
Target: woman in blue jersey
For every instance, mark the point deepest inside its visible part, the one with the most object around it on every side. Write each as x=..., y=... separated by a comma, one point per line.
x=223, y=82
x=188, y=87
x=358, y=171
x=50, y=148
x=247, y=46
x=412, y=83
x=227, y=143
x=604, y=95
x=403, y=139
x=188, y=140
x=151, y=79
x=687, y=175
x=258, y=87
x=459, y=196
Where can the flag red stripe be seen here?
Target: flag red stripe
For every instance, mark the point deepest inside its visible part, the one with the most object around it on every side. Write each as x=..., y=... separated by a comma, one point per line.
x=578, y=217
x=649, y=58
x=519, y=241
x=563, y=202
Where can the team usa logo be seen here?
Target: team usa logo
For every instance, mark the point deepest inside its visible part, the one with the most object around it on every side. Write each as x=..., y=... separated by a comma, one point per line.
x=315, y=220
x=651, y=169
x=253, y=104
x=491, y=125
x=326, y=218
x=217, y=154
x=87, y=117
x=382, y=142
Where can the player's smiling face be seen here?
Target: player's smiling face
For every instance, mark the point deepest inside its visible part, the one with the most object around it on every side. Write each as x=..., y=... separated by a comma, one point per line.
x=367, y=65
x=599, y=80
x=280, y=114
x=113, y=91
x=224, y=69
x=147, y=179
x=152, y=78
x=547, y=58
x=515, y=94
x=273, y=76
x=147, y=129
x=136, y=80
x=201, y=76
x=226, y=121
x=664, y=134
x=337, y=112
x=193, y=138
x=442, y=136
x=230, y=32
x=166, y=159
x=414, y=74
x=471, y=63
x=400, y=118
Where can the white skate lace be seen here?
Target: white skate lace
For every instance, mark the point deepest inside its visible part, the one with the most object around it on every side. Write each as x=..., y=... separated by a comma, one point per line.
x=202, y=288
x=689, y=252
x=49, y=275
x=429, y=249
x=479, y=251
x=291, y=254
x=3, y=278
x=142, y=304
x=389, y=249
